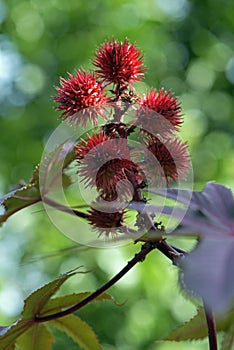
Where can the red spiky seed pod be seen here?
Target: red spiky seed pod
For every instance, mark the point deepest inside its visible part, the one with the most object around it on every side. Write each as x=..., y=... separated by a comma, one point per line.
x=105, y=222
x=167, y=160
x=119, y=63
x=159, y=112
x=81, y=98
x=106, y=162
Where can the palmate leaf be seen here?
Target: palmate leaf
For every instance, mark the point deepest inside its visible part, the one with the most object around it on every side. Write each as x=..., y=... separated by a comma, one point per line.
x=196, y=328
x=31, y=335
x=32, y=306
x=208, y=270
x=38, y=337
x=59, y=303
x=29, y=194
x=19, y=199
x=209, y=212
x=38, y=299
x=79, y=331
x=74, y=327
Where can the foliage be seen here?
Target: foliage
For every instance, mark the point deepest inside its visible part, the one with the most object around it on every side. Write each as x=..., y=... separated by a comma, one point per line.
x=196, y=329
x=185, y=50
x=27, y=333
x=207, y=269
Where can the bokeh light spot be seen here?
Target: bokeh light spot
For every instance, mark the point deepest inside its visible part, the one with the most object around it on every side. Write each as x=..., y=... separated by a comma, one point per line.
x=122, y=17
x=177, y=9
x=29, y=23
x=218, y=56
x=200, y=76
x=205, y=164
x=195, y=124
x=173, y=83
x=177, y=55
x=217, y=143
x=11, y=301
x=31, y=79
x=9, y=61
x=218, y=105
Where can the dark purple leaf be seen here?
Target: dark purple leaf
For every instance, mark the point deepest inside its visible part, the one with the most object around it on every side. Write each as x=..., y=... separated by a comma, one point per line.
x=208, y=271
x=215, y=201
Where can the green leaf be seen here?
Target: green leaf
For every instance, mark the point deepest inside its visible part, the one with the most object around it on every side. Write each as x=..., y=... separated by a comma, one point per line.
x=19, y=199
x=38, y=299
x=37, y=337
x=8, y=339
x=79, y=331
x=29, y=194
x=32, y=306
x=196, y=327
x=59, y=303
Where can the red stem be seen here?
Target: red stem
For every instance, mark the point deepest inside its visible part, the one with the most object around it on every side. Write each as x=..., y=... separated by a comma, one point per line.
x=145, y=250
x=211, y=325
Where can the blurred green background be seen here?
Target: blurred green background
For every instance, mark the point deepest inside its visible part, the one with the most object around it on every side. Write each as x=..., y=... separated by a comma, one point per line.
x=189, y=48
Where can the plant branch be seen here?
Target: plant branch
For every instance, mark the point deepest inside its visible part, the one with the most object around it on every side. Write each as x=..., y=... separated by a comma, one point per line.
x=64, y=208
x=171, y=252
x=145, y=250
x=211, y=325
